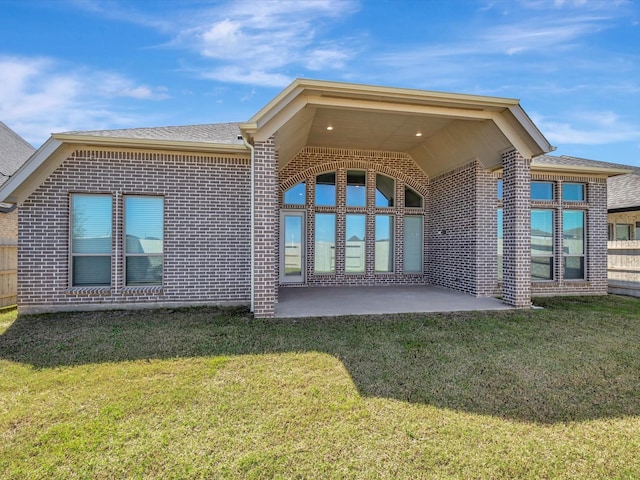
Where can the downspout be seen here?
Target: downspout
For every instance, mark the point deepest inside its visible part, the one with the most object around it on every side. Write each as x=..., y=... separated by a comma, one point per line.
x=252, y=150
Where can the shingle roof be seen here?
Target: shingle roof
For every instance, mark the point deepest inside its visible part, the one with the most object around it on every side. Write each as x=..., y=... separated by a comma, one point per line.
x=217, y=133
x=623, y=191
x=564, y=160
x=14, y=151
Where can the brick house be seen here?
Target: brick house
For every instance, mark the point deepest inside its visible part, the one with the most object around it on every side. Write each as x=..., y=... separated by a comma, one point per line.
x=328, y=184
x=14, y=151
x=624, y=206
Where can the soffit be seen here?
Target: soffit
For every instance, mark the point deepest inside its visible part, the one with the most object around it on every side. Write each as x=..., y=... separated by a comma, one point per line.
x=455, y=128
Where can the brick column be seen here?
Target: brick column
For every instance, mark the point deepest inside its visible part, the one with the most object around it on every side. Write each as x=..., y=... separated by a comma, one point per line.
x=596, y=236
x=516, y=287
x=265, y=210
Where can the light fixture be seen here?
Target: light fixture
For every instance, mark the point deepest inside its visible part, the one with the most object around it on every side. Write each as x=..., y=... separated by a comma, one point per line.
x=329, y=127
x=418, y=134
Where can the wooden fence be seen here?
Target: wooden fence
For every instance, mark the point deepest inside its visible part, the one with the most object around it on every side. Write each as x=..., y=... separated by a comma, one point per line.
x=8, y=275
x=624, y=267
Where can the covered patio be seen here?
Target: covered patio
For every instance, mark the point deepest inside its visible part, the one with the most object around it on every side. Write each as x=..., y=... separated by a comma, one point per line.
x=297, y=302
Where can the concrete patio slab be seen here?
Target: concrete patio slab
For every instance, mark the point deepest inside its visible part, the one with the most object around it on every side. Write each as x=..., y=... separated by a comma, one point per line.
x=336, y=301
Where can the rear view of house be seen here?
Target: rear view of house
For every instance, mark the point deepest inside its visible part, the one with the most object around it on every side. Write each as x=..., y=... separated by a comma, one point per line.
x=329, y=184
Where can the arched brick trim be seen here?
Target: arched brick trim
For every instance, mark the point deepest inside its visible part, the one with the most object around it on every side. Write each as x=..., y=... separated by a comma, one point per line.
x=352, y=165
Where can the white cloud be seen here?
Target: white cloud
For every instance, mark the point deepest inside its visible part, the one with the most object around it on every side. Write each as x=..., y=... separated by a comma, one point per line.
x=40, y=96
x=588, y=128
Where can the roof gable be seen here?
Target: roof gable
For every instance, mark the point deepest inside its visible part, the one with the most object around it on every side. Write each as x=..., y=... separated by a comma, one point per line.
x=14, y=151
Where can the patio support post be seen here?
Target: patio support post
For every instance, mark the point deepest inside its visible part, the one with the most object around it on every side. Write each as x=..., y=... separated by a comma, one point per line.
x=265, y=232
x=516, y=286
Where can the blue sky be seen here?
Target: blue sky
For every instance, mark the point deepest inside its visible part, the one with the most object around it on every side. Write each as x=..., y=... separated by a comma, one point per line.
x=97, y=64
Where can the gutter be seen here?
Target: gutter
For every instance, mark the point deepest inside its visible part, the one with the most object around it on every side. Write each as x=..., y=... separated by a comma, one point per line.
x=252, y=150
x=8, y=209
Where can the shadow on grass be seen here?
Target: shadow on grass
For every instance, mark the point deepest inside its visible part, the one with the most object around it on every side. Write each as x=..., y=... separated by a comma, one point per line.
x=578, y=359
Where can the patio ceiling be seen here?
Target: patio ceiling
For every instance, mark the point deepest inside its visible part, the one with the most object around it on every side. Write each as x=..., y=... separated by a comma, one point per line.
x=439, y=131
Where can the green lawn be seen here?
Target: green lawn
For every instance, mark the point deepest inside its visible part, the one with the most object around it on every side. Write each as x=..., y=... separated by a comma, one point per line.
x=206, y=393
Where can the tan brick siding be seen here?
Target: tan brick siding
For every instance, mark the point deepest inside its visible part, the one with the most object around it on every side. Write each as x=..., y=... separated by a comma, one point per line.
x=207, y=229
x=9, y=228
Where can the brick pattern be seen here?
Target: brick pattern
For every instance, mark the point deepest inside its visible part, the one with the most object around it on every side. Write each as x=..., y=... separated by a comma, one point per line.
x=516, y=289
x=9, y=228
x=452, y=236
x=207, y=233
x=312, y=161
x=266, y=224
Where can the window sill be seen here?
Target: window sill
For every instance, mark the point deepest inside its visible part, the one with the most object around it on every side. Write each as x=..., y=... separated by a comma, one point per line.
x=143, y=290
x=88, y=291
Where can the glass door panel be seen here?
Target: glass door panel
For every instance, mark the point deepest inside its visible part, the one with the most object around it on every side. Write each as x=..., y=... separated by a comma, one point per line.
x=292, y=247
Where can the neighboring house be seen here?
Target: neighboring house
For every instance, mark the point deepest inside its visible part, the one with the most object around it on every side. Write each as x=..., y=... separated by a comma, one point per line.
x=14, y=151
x=329, y=184
x=624, y=206
x=624, y=233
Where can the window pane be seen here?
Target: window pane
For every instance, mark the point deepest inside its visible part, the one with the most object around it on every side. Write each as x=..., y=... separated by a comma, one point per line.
x=296, y=195
x=91, y=271
x=91, y=223
x=326, y=189
x=637, y=231
x=500, y=227
x=573, y=232
x=574, y=268
x=542, y=244
x=144, y=269
x=541, y=232
x=541, y=190
x=384, y=243
x=144, y=224
x=609, y=231
x=500, y=192
x=573, y=192
x=144, y=230
x=385, y=190
x=542, y=268
x=355, y=254
x=623, y=231
x=413, y=244
x=412, y=198
x=325, y=243
x=293, y=230
x=356, y=188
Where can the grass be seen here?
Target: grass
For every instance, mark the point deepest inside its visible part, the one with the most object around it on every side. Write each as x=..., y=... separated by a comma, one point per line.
x=206, y=393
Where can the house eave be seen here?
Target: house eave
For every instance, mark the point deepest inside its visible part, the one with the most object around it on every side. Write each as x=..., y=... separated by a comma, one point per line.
x=172, y=145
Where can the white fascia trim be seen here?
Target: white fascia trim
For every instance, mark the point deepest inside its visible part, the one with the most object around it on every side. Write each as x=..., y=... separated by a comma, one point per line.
x=8, y=189
x=533, y=131
x=151, y=143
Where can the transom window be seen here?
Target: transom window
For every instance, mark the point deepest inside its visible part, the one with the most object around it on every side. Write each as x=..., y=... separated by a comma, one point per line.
x=541, y=190
x=326, y=189
x=573, y=192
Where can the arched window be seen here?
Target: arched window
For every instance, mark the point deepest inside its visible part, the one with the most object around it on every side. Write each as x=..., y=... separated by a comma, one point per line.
x=296, y=195
x=412, y=198
x=385, y=190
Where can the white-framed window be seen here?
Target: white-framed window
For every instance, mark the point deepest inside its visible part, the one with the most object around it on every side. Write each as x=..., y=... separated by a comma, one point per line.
x=296, y=195
x=91, y=239
x=542, y=190
x=325, y=243
x=384, y=243
x=573, y=244
x=623, y=231
x=144, y=240
x=413, y=243
x=542, y=244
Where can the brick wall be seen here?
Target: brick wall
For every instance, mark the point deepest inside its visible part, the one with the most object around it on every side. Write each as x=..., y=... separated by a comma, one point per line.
x=207, y=229
x=516, y=289
x=265, y=229
x=452, y=237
